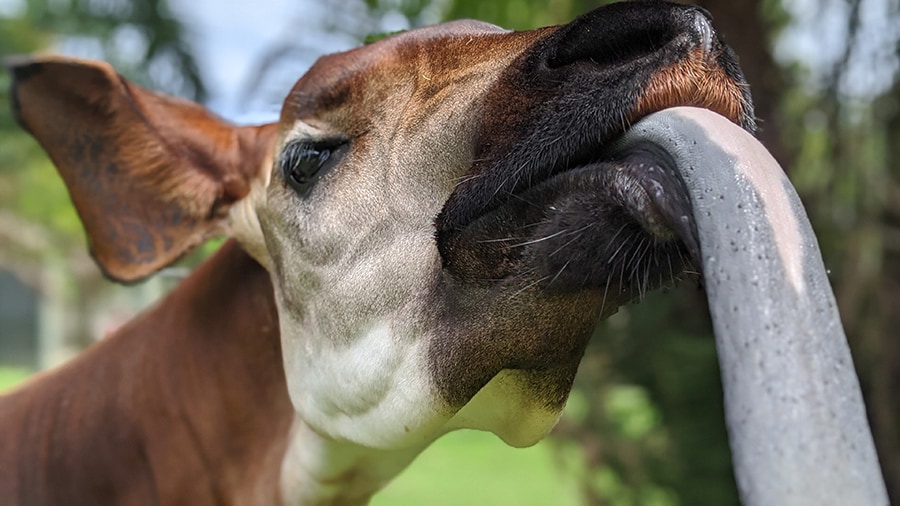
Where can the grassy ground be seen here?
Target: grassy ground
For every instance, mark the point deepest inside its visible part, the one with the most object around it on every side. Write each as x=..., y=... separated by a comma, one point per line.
x=11, y=376
x=469, y=467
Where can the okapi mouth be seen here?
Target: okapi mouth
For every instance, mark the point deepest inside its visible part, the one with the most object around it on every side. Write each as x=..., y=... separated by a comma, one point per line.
x=618, y=220
x=621, y=222
x=552, y=202
x=558, y=222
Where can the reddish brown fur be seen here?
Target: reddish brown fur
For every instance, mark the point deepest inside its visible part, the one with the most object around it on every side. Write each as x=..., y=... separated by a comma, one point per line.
x=186, y=404
x=150, y=175
x=696, y=81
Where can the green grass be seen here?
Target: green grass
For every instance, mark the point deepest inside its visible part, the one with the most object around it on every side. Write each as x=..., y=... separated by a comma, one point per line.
x=12, y=376
x=476, y=468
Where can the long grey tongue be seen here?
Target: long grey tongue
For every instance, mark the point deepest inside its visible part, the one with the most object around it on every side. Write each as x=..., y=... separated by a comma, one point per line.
x=794, y=411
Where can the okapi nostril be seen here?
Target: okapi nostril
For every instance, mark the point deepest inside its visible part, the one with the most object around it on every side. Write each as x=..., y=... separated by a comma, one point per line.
x=621, y=35
x=610, y=48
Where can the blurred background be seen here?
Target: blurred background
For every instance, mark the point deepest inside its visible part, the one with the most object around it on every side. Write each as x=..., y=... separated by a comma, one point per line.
x=645, y=422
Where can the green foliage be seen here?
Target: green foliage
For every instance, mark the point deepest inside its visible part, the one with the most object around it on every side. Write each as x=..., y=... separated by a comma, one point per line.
x=650, y=418
x=30, y=189
x=140, y=38
x=38, y=225
x=645, y=424
x=375, y=37
x=41, y=197
x=12, y=376
x=647, y=413
x=521, y=14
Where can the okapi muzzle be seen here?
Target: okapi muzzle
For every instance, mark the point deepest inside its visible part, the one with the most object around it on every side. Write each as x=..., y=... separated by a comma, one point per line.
x=446, y=213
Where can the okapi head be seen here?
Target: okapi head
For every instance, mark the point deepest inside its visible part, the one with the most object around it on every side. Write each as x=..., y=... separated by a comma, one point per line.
x=445, y=213
x=443, y=227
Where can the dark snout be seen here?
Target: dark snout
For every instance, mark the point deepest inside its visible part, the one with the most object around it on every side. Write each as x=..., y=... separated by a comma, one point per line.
x=621, y=34
x=547, y=202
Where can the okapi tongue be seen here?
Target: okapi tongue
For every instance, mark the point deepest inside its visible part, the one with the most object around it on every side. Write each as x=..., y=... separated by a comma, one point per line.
x=795, y=415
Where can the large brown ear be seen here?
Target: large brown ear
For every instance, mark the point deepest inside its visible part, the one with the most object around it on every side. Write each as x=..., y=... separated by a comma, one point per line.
x=151, y=176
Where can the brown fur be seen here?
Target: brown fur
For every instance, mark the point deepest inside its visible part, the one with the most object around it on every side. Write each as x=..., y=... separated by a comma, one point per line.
x=696, y=81
x=186, y=404
x=150, y=175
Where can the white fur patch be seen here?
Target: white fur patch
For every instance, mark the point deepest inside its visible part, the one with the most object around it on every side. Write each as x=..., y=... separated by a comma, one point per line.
x=319, y=470
x=373, y=390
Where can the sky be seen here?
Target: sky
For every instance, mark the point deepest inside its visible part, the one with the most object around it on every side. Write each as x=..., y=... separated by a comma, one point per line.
x=818, y=35
x=230, y=36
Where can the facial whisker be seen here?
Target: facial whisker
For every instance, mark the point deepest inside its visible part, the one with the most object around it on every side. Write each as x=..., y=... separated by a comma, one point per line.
x=502, y=239
x=577, y=234
x=534, y=241
x=613, y=238
x=605, y=292
x=558, y=274
x=632, y=263
x=615, y=253
x=529, y=285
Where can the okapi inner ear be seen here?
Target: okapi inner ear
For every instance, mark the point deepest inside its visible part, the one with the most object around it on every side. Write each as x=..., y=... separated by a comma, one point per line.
x=151, y=176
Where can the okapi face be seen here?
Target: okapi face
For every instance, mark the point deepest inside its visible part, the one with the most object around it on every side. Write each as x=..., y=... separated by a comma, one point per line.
x=446, y=213
x=447, y=216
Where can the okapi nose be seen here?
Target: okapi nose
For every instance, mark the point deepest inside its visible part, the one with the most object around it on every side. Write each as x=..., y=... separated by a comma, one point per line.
x=624, y=32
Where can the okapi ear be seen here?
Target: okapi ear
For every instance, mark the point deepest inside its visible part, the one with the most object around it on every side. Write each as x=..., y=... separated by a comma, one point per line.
x=151, y=176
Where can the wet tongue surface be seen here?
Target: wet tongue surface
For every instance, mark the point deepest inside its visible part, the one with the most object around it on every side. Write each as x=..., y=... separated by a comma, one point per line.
x=794, y=410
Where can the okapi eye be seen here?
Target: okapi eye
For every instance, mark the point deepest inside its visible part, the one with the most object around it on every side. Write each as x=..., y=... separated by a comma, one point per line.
x=303, y=163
